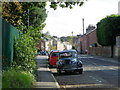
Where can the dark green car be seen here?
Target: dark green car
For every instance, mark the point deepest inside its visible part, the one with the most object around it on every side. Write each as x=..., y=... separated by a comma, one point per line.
x=68, y=62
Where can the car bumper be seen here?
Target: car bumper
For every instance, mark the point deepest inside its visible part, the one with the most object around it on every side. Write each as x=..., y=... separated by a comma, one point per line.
x=70, y=69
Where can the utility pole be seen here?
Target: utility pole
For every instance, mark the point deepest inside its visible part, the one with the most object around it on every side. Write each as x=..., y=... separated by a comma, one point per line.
x=83, y=25
x=72, y=38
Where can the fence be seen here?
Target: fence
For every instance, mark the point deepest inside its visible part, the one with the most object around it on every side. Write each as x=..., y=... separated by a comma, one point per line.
x=101, y=51
x=106, y=51
x=117, y=48
x=9, y=33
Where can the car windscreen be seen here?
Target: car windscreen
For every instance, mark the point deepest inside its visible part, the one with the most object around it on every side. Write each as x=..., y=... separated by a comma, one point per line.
x=68, y=54
x=55, y=54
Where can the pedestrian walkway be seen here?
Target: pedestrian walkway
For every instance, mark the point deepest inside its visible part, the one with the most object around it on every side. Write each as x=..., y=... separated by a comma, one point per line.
x=114, y=60
x=46, y=79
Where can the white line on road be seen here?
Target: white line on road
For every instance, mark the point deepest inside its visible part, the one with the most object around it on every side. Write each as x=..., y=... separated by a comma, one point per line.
x=95, y=79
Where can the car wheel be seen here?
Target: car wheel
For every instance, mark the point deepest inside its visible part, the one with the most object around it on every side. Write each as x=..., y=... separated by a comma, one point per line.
x=50, y=66
x=59, y=71
x=80, y=71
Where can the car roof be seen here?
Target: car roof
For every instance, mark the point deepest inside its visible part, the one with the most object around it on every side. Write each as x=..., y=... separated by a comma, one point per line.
x=55, y=51
x=72, y=50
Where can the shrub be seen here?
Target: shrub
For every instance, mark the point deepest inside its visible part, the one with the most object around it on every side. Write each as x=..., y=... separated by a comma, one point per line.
x=14, y=78
x=25, y=53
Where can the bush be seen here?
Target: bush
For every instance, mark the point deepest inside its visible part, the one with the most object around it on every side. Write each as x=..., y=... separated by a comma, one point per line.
x=25, y=53
x=17, y=79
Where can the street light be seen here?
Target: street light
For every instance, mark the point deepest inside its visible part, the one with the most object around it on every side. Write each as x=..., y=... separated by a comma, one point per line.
x=83, y=25
x=72, y=38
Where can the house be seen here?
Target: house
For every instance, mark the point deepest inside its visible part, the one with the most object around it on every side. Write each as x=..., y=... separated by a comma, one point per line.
x=89, y=39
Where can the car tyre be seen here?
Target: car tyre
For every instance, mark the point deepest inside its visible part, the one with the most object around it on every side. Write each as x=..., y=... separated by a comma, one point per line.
x=59, y=71
x=50, y=66
x=81, y=71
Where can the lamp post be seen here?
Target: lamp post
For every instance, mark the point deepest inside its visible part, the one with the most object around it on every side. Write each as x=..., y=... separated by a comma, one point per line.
x=72, y=38
x=83, y=25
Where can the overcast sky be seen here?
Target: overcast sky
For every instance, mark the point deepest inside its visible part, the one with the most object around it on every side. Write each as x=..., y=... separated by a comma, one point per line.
x=62, y=22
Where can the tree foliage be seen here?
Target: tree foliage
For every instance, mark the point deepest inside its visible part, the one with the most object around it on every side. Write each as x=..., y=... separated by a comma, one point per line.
x=37, y=16
x=107, y=30
x=12, y=12
x=17, y=13
x=66, y=4
x=35, y=11
x=25, y=51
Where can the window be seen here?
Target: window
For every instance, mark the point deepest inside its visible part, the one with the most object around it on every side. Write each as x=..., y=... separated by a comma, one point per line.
x=55, y=54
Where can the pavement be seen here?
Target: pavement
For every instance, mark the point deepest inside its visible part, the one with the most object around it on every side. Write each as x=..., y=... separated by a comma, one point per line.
x=46, y=79
x=114, y=60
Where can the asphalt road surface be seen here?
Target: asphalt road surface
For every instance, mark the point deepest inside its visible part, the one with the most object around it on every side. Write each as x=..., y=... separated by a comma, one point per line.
x=98, y=73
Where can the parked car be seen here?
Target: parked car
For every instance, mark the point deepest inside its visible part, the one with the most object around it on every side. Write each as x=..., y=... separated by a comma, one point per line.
x=51, y=52
x=68, y=62
x=42, y=53
x=53, y=58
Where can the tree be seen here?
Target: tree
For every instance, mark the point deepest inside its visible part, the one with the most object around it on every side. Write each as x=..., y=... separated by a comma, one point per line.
x=107, y=30
x=66, y=4
x=12, y=12
x=47, y=35
x=35, y=11
x=17, y=13
x=37, y=16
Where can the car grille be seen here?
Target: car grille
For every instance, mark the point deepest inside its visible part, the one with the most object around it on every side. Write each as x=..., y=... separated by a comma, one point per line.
x=67, y=61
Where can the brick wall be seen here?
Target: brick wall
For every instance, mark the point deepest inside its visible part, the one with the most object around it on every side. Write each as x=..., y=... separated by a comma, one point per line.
x=92, y=37
x=101, y=51
x=117, y=48
x=87, y=39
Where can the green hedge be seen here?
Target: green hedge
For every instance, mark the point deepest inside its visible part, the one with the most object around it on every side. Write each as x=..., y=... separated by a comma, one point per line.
x=14, y=78
x=107, y=30
x=25, y=53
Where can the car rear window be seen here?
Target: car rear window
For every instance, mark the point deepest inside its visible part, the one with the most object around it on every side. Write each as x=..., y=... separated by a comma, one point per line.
x=68, y=54
x=55, y=53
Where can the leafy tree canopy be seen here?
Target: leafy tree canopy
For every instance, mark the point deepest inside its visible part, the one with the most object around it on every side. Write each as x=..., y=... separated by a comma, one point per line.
x=66, y=3
x=17, y=13
x=12, y=12
x=107, y=30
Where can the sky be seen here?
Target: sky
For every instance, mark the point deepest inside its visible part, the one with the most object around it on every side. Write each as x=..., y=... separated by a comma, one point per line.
x=64, y=21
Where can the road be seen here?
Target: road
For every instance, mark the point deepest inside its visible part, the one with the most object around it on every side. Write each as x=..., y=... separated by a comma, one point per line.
x=98, y=73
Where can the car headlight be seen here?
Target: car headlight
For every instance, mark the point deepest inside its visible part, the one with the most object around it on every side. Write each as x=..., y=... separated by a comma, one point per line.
x=75, y=60
x=60, y=62
x=79, y=64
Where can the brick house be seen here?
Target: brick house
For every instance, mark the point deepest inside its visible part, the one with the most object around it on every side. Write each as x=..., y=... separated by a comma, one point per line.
x=89, y=39
x=41, y=45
